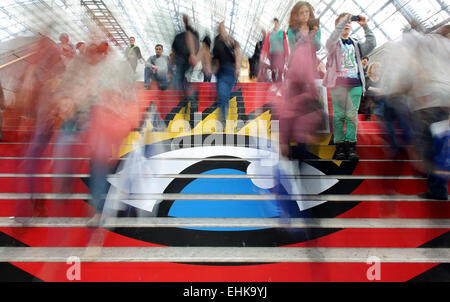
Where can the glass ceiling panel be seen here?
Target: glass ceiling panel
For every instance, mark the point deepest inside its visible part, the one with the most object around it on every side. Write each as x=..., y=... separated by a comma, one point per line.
x=394, y=25
x=428, y=11
x=46, y=17
x=374, y=7
x=346, y=6
x=158, y=21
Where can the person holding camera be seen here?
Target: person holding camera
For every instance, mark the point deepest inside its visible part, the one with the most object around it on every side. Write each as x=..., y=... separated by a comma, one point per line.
x=345, y=77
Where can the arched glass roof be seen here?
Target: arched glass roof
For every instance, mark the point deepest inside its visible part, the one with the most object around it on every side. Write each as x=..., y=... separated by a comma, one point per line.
x=157, y=21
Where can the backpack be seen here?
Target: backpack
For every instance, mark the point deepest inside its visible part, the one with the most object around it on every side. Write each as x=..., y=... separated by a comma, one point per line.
x=441, y=138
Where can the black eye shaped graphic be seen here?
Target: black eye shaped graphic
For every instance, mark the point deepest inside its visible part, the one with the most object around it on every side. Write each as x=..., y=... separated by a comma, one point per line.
x=239, y=161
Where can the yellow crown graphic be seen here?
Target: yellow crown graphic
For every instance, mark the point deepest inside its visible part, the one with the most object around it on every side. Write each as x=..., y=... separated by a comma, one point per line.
x=259, y=124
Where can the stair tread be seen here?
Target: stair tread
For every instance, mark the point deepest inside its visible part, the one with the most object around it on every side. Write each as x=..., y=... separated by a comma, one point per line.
x=217, y=176
x=224, y=254
x=157, y=222
x=184, y=196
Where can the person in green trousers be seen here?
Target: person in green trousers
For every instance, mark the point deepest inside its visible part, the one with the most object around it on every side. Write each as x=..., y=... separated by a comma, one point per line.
x=345, y=77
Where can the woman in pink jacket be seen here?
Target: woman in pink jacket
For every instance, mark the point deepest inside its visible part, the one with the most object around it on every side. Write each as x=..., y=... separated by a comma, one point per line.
x=301, y=114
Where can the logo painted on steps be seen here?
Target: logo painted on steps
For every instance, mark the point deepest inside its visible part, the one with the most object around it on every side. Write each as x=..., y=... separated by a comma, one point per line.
x=237, y=158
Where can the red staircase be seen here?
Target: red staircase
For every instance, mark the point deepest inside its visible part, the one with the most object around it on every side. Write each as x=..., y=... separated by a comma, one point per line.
x=371, y=211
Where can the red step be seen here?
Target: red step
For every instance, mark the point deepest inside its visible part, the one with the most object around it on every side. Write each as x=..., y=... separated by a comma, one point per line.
x=49, y=208
x=188, y=273
x=367, y=187
x=399, y=209
x=81, y=166
x=365, y=209
x=388, y=168
x=42, y=185
x=46, y=166
x=19, y=150
x=391, y=187
x=365, y=151
x=82, y=150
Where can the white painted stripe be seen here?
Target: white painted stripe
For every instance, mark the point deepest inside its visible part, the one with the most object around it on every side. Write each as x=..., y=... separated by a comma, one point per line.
x=203, y=159
x=159, y=222
x=175, y=196
x=217, y=176
x=225, y=254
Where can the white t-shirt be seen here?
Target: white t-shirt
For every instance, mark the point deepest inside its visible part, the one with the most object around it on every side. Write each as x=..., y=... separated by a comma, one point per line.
x=196, y=74
x=349, y=67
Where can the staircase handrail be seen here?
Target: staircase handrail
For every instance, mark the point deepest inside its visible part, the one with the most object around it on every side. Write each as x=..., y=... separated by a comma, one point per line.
x=17, y=60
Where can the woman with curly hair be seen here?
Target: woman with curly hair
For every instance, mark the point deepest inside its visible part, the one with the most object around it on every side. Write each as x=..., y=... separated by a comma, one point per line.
x=303, y=26
x=302, y=115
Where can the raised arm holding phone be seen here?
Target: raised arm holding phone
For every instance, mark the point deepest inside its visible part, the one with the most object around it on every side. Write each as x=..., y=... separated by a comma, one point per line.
x=345, y=77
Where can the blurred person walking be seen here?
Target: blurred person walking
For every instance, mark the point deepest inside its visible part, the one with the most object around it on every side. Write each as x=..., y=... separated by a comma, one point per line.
x=275, y=51
x=254, y=60
x=133, y=54
x=113, y=115
x=444, y=31
x=185, y=46
x=205, y=57
x=305, y=28
x=66, y=47
x=365, y=106
x=417, y=69
x=80, y=48
x=201, y=72
x=41, y=78
x=227, y=64
x=388, y=109
x=345, y=77
x=373, y=96
x=302, y=114
x=431, y=111
x=2, y=107
x=73, y=95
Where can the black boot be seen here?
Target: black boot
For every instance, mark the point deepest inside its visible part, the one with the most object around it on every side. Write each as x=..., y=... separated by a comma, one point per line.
x=340, y=152
x=351, y=151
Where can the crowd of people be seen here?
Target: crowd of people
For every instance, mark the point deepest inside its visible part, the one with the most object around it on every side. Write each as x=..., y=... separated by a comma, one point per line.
x=276, y=55
x=192, y=60
x=90, y=88
x=81, y=94
x=408, y=87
